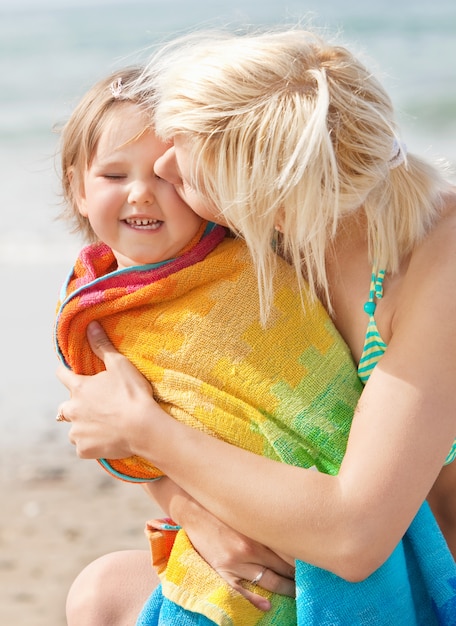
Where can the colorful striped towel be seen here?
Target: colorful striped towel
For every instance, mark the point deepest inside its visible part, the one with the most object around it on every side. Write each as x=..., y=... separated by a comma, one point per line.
x=286, y=391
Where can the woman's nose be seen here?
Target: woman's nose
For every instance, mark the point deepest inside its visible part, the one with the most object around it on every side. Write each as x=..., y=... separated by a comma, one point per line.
x=166, y=167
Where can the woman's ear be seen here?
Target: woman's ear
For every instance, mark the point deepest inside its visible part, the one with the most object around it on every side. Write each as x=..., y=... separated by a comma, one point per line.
x=77, y=191
x=279, y=220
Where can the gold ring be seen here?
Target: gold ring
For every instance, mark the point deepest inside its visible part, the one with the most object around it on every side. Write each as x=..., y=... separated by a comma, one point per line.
x=258, y=577
x=60, y=417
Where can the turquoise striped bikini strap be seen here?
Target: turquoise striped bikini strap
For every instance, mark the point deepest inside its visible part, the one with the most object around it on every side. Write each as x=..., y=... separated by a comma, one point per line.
x=374, y=346
x=375, y=291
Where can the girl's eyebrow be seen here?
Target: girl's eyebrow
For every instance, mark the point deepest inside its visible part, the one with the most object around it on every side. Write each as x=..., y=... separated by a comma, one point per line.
x=111, y=160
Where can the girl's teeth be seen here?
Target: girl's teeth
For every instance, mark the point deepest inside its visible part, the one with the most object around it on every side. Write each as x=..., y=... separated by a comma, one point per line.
x=142, y=222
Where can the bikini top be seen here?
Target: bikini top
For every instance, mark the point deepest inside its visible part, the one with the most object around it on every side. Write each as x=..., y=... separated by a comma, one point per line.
x=374, y=346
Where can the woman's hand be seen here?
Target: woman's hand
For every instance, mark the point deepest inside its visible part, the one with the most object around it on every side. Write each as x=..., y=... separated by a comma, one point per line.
x=107, y=411
x=235, y=557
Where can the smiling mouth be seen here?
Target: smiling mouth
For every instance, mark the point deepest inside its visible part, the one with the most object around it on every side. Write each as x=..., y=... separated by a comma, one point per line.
x=146, y=224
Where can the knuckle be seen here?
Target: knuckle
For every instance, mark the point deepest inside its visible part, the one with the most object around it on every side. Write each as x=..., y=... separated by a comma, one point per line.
x=224, y=560
x=244, y=549
x=83, y=453
x=274, y=584
x=76, y=385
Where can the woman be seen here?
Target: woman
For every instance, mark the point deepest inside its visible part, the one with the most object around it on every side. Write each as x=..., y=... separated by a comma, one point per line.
x=285, y=132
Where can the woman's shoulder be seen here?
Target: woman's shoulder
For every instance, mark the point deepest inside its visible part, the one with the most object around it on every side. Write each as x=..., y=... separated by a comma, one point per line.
x=440, y=242
x=430, y=273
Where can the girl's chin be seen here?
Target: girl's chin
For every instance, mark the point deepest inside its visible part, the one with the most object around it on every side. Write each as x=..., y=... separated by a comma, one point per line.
x=124, y=262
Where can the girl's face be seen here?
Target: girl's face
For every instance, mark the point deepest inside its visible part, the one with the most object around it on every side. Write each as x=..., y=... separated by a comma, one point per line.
x=174, y=166
x=130, y=208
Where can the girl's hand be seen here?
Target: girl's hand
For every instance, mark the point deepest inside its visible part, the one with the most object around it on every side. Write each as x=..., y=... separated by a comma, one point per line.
x=107, y=411
x=235, y=557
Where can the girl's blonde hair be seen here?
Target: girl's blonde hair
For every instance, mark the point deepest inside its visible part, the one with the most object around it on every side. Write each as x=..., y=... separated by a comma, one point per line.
x=81, y=133
x=285, y=128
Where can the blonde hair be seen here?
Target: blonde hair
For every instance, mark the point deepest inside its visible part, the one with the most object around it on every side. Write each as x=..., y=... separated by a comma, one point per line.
x=286, y=127
x=81, y=133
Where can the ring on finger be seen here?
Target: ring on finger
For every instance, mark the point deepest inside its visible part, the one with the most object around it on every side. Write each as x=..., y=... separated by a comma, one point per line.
x=258, y=577
x=60, y=417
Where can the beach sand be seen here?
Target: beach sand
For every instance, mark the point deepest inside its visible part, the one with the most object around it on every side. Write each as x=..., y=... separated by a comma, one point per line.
x=58, y=515
x=57, y=512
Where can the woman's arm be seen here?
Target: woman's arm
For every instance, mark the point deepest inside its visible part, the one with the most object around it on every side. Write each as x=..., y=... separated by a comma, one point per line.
x=233, y=556
x=349, y=524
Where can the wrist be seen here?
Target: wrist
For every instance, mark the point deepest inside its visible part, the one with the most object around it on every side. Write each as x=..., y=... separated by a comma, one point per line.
x=174, y=501
x=148, y=431
x=168, y=444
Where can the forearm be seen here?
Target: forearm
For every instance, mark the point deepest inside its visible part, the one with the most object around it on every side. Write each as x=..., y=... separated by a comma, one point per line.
x=293, y=511
x=173, y=500
x=234, y=556
x=334, y=522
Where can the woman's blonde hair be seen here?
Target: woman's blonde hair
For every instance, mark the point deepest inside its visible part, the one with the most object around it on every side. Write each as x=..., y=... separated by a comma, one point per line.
x=285, y=128
x=81, y=133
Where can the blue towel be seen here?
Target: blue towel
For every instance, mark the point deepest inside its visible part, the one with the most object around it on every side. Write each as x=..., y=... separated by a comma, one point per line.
x=159, y=611
x=416, y=586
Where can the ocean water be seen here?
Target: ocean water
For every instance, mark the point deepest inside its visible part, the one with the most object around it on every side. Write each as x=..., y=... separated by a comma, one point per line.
x=52, y=51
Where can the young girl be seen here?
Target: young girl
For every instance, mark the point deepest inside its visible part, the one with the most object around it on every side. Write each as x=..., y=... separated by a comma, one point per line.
x=285, y=132
x=179, y=298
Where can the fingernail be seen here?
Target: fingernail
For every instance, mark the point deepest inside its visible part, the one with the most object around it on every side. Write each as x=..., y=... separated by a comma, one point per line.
x=93, y=329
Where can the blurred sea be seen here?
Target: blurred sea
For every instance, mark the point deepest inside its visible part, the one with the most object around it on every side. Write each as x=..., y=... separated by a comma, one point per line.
x=52, y=51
